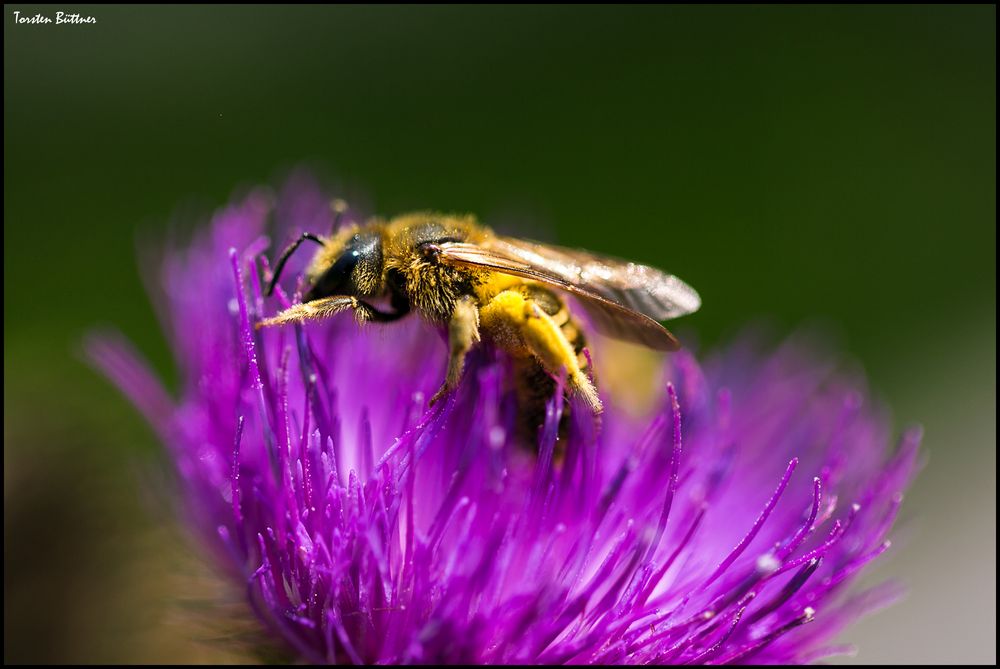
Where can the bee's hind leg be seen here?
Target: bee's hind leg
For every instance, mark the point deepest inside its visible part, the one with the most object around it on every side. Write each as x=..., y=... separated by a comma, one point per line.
x=517, y=321
x=463, y=332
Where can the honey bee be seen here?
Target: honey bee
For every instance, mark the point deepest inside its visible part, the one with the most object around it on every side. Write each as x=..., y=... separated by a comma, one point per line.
x=459, y=274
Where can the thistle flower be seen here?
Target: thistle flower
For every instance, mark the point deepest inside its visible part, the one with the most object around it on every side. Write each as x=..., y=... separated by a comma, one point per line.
x=368, y=528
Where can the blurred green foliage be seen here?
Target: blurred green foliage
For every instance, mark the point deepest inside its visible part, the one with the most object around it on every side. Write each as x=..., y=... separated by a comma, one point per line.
x=791, y=163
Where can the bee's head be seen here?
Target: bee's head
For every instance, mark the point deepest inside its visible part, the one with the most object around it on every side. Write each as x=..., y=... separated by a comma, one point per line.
x=348, y=264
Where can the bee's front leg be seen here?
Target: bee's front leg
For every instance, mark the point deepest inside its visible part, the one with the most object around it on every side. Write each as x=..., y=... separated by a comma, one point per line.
x=463, y=332
x=318, y=309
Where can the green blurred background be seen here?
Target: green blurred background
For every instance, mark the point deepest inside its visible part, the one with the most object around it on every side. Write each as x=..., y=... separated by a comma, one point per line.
x=794, y=164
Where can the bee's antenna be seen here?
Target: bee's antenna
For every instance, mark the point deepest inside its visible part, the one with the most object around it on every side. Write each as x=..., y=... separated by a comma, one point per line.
x=285, y=255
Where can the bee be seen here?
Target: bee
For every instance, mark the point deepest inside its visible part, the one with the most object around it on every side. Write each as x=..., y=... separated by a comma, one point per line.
x=480, y=286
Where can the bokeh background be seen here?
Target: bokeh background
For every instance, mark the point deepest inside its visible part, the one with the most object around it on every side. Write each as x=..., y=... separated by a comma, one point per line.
x=797, y=165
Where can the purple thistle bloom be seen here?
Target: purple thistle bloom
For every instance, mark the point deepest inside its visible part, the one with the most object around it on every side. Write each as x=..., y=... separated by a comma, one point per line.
x=368, y=528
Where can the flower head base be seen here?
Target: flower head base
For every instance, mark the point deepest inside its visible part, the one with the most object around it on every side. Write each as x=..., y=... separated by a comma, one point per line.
x=368, y=528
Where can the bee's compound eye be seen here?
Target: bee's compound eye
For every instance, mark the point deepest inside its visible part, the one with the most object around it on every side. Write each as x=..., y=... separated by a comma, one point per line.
x=362, y=250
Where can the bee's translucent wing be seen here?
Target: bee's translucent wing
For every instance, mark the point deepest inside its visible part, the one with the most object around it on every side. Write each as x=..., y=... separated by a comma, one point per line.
x=625, y=300
x=649, y=291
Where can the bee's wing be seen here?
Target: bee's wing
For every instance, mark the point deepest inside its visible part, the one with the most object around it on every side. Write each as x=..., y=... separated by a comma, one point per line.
x=624, y=299
x=649, y=291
